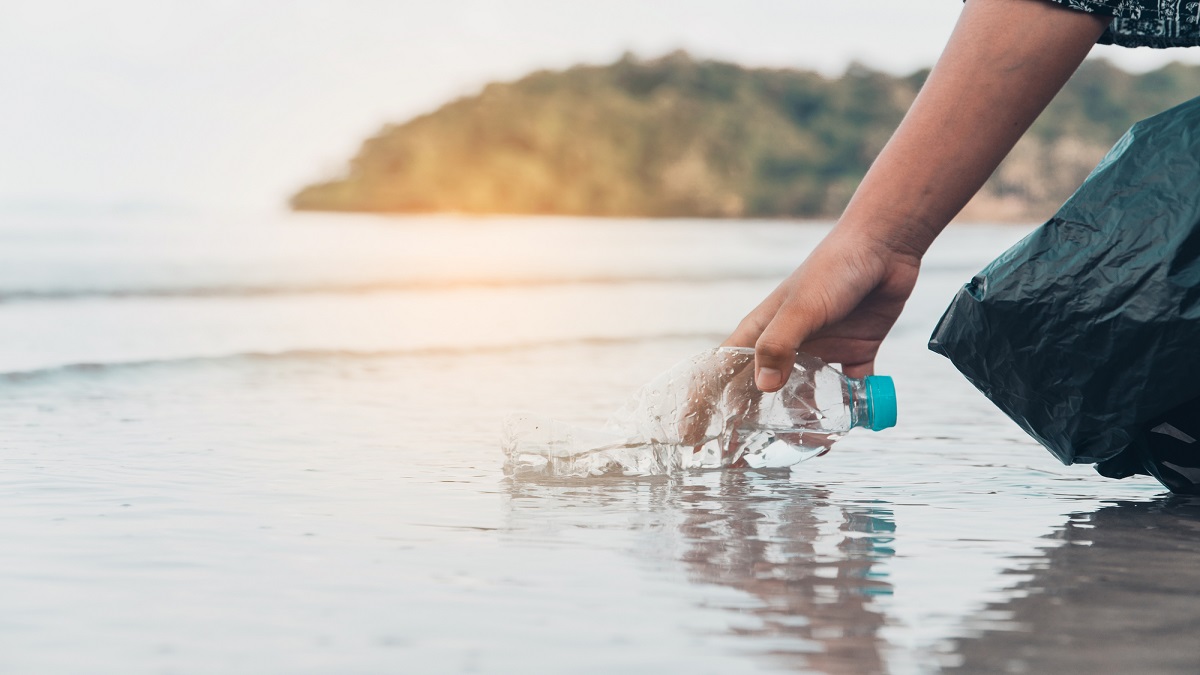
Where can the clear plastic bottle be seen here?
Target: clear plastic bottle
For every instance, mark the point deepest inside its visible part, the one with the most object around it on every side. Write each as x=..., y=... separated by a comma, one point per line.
x=706, y=413
x=817, y=406
x=709, y=407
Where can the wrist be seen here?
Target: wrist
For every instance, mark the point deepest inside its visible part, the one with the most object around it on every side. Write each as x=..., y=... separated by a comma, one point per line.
x=889, y=234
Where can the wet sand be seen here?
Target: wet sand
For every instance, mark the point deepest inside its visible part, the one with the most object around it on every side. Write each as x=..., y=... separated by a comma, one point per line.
x=1119, y=594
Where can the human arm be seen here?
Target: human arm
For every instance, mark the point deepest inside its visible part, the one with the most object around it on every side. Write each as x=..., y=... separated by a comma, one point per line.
x=1004, y=62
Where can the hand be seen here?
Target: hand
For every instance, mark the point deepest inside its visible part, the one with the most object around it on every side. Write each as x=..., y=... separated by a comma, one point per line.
x=838, y=305
x=1003, y=64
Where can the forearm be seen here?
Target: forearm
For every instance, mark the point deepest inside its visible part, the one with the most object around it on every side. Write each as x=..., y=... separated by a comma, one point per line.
x=1003, y=64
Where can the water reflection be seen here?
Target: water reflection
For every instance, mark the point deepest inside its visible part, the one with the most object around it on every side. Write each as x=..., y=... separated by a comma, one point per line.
x=810, y=572
x=1119, y=594
x=815, y=566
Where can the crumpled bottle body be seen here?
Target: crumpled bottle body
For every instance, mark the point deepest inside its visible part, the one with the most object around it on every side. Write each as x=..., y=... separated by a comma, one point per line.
x=703, y=413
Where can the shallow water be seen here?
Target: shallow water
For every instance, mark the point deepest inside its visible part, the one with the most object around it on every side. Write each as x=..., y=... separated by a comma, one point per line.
x=272, y=445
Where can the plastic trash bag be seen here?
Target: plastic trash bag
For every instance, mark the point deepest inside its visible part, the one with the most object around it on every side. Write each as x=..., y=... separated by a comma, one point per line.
x=1087, y=332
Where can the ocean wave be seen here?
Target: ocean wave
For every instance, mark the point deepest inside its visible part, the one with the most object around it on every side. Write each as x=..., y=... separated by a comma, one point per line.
x=285, y=288
x=260, y=290
x=318, y=354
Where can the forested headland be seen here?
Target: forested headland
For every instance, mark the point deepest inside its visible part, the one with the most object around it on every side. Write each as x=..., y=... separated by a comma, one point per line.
x=681, y=137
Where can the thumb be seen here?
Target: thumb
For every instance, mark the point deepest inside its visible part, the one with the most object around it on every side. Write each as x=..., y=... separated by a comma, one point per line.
x=775, y=350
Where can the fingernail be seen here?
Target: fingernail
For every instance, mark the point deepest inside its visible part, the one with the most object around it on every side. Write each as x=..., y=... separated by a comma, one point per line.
x=769, y=378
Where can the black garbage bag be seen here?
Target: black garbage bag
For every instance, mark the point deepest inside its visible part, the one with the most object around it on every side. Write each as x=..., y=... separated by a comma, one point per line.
x=1087, y=332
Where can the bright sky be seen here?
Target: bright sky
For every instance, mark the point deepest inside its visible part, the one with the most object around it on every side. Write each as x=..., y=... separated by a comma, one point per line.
x=234, y=104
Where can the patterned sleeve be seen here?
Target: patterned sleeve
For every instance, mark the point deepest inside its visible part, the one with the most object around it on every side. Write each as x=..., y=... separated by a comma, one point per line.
x=1145, y=23
x=1105, y=7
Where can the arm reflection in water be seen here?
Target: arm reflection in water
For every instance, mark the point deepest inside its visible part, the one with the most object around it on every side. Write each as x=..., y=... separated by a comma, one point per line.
x=1121, y=594
x=812, y=568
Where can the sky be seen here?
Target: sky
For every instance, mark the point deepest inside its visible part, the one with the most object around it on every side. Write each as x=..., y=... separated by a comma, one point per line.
x=235, y=104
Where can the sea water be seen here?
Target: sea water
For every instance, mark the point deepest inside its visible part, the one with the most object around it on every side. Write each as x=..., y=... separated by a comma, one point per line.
x=269, y=444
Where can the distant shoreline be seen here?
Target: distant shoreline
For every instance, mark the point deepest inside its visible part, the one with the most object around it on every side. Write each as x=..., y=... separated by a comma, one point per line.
x=680, y=137
x=700, y=220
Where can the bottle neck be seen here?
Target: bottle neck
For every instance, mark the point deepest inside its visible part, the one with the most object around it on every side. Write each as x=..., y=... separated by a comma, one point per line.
x=860, y=407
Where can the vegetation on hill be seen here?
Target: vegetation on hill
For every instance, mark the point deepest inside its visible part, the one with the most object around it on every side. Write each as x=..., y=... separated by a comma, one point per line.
x=677, y=137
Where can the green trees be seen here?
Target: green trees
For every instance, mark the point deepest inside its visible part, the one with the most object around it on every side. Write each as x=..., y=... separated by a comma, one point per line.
x=679, y=137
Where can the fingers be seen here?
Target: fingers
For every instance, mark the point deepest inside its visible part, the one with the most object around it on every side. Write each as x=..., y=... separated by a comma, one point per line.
x=804, y=326
x=775, y=349
x=838, y=305
x=856, y=355
x=751, y=327
x=774, y=329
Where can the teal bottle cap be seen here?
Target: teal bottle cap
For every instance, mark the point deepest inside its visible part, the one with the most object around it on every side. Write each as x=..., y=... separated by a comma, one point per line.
x=881, y=401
